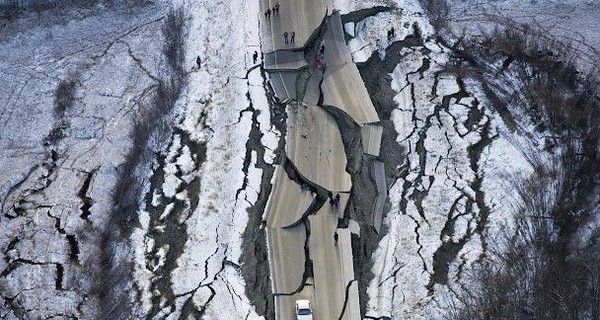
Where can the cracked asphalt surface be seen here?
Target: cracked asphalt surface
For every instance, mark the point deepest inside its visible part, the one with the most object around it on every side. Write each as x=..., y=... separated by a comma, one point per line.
x=310, y=244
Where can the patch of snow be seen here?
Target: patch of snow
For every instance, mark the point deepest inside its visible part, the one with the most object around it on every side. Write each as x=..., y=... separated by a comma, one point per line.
x=349, y=29
x=208, y=272
x=403, y=261
x=371, y=33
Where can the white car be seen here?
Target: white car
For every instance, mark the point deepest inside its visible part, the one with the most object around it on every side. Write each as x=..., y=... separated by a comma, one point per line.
x=303, y=310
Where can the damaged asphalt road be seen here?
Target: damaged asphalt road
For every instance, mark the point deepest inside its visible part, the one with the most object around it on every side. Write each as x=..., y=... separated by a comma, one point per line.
x=325, y=153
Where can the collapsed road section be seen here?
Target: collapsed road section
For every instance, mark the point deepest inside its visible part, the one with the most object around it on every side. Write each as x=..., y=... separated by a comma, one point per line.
x=308, y=229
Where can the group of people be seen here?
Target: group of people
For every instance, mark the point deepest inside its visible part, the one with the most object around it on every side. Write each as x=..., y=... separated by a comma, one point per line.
x=391, y=34
x=292, y=37
x=275, y=10
x=287, y=37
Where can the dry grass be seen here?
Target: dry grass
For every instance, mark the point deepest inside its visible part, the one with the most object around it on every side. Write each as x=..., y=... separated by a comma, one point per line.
x=64, y=98
x=437, y=11
x=12, y=9
x=151, y=128
x=531, y=271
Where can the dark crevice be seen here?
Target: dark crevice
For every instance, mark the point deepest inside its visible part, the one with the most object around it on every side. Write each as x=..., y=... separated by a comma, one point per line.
x=314, y=207
x=17, y=262
x=442, y=257
x=82, y=194
x=11, y=245
x=59, y=277
x=57, y=223
x=418, y=241
x=203, y=308
x=393, y=274
x=347, y=293
x=255, y=266
x=14, y=188
x=359, y=15
x=73, y=247
x=425, y=64
x=189, y=311
x=351, y=137
x=138, y=61
x=308, y=264
x=296, y=176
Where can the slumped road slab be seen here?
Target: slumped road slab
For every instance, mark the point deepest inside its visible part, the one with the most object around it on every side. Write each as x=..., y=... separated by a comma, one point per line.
x=284, y=84
x=378, y=174
x=313, y=88
x=333, y=267
x=287, y=203
x=344, y=89
x=371, y=139
x=285, y=60
x=288, y=272
x=314, y=144
x=342, y=85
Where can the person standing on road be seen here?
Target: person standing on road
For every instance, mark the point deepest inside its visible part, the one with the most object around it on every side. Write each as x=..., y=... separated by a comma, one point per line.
x=335, y=238
x=268, y=13
x=198, y=62
x=285, y=37
x=255, y=57
x=336, y=202
x=293, y=37
x=276, y=10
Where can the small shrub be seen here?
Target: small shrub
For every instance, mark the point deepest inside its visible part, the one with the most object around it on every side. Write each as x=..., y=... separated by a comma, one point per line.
x=437, y=11
x=64, y=98
x=173, y=31
x=9, y=9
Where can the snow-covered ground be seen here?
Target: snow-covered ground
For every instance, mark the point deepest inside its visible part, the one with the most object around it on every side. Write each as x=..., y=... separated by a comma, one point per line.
x=217, y=112
x=47, y=234
x=207, y=276
x=459, y=182
x=435, y=207
x=198, y=195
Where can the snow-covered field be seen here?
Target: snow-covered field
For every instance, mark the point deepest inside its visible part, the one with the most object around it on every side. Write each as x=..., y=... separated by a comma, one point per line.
x=47, y=232
x=187, y=245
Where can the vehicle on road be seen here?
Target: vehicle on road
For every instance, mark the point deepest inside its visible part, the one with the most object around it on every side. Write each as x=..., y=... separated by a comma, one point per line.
x=303, y=310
